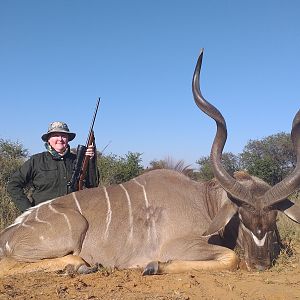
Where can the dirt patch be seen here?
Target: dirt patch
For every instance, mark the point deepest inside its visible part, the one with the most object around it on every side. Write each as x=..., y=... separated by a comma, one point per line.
x=281, y=282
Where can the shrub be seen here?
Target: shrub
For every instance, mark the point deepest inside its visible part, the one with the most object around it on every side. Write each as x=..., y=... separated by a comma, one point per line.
x=116, y=169
x=12, y=155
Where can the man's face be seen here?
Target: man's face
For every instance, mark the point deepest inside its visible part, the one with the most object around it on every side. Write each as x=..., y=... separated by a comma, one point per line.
x=58, y=141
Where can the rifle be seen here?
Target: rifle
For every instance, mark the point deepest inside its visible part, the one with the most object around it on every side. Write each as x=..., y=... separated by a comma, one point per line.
x=81, y=163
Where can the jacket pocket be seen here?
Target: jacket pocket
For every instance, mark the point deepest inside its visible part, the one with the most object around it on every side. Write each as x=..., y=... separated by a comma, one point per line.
x=45, y=178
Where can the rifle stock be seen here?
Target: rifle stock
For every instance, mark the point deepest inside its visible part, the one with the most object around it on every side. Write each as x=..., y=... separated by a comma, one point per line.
x=74, y=182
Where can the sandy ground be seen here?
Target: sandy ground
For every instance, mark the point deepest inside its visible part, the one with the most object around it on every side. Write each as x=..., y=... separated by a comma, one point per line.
x=281, y=282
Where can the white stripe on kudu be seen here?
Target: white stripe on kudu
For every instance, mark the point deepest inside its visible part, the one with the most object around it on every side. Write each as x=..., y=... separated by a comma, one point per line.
x=144, y=191
x=129, y=211
x=108, y=214
x=64, y=215
x=21, y=218
x=147, y=210
x=25, y=225
x=7, y=247
x=24, y=215
x=38, y=219
x=77, y=203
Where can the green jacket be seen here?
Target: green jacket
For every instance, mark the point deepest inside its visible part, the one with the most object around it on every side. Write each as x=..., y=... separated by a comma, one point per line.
x=49, y=178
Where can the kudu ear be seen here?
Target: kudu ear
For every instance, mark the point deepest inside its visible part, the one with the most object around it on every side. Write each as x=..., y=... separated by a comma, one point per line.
x=224, y=215
x=290, y=209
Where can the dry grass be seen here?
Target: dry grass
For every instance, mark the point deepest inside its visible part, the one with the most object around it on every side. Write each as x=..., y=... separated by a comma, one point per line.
x=290, y=236
x=288, y=257
x=288, y=229
x=8, y=211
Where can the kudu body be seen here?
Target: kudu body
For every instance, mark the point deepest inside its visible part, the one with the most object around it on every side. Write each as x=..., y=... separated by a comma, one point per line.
x=161, y=221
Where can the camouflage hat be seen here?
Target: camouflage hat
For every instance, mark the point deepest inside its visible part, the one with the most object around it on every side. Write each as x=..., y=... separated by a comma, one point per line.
x=58, y=127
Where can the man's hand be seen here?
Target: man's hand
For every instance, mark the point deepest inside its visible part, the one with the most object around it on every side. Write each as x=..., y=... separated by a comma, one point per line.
x=90, y=151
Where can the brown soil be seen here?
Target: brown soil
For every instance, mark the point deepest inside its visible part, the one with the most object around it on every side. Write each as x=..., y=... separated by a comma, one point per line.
x=281, y=282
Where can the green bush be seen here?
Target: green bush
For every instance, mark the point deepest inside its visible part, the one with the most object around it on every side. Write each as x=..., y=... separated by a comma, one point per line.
x=271, y=158
x=116, y=169
x=12, y=155
x=229, y=161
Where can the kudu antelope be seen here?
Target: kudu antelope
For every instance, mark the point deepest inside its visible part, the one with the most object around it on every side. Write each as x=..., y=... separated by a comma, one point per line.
x=161, y=221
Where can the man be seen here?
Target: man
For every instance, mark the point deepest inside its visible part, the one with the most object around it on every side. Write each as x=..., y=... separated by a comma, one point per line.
x=49, y=172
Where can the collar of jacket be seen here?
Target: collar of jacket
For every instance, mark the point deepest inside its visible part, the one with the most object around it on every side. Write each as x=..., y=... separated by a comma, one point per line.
x=54, y=154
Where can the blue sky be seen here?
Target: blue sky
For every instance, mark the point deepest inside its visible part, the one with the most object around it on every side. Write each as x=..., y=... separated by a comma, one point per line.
x=58, y=57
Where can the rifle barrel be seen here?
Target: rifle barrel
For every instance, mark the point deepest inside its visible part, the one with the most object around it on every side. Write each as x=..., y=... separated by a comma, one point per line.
x=93, y=121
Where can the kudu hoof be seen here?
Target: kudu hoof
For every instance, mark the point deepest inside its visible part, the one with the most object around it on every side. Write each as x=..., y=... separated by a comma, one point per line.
x=151, y=268
x=84, y=269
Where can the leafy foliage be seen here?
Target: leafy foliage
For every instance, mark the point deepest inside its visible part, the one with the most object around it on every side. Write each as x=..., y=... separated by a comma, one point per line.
x=270, y=159
x=12, y=150
x=12, y=155
x=116, y=169
x=229, y=160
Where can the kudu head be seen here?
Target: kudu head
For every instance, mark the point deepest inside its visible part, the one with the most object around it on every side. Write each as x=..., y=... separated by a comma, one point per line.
x=253, y=202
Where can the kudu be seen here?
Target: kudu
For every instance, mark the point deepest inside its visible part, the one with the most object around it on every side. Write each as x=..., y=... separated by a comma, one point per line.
x=161, y=221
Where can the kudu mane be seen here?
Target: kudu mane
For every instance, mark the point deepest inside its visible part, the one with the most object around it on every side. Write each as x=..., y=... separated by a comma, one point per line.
x=170, y=164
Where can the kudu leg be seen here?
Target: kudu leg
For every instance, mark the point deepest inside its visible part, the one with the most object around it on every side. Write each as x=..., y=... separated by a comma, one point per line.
x=228, y=261
x=186, y=254
x=69, y=263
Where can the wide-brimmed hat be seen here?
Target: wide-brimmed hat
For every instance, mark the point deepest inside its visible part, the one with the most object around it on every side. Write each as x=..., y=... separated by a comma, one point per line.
x=58, y=127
